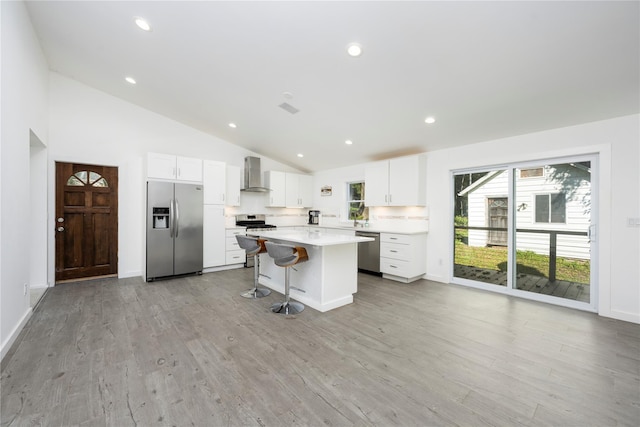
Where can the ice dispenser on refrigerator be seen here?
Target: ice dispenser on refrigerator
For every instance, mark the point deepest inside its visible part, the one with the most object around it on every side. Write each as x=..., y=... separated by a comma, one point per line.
x=161, y=218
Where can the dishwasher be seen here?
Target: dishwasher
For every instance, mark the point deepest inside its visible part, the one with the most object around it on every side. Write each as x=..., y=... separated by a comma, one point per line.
x=369, y=253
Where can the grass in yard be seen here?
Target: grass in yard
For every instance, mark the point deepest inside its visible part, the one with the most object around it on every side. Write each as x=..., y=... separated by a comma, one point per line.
x=495, y=258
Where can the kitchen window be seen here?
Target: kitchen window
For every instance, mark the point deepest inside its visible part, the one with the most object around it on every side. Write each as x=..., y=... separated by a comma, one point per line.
x=355, y=201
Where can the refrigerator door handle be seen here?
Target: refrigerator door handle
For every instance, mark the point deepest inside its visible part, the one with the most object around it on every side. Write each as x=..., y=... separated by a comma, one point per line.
x=171, y=218
x=177, y=211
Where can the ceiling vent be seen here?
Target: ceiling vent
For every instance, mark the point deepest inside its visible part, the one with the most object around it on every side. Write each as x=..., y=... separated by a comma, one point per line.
x=288, y=108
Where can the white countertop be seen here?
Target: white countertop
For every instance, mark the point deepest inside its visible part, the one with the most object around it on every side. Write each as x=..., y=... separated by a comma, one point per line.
x=309, y=238
x=377, y=229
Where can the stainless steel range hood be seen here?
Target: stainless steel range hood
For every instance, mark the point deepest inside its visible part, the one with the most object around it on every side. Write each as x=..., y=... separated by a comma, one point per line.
x=253, y=176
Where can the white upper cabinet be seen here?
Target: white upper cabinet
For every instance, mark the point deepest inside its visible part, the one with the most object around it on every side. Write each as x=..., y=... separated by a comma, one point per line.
x=299, y=193
x=292, y=186
x=188, y=169
x=161, y=166
x=291, y=190
x=276, y=181
x=214, y=180
x=174, y=168
x=233, y=186
x=376, y=184
x=305, y=190
x=221, y=183
x=396, y=182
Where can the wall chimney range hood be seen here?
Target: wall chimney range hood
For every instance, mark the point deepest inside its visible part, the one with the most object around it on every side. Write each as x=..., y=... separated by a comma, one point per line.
x=253, y=176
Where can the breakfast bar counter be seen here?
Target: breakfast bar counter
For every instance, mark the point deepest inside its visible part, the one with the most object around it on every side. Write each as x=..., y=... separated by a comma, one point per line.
x=330, y=277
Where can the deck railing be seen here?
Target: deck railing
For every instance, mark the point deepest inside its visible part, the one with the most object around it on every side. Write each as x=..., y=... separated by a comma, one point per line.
x=553, y=239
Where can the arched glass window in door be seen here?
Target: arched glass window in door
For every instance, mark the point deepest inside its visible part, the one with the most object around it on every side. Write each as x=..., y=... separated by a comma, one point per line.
x=82, y=178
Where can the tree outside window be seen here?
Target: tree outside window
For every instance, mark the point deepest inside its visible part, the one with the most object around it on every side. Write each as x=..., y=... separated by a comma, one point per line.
x=355, y=201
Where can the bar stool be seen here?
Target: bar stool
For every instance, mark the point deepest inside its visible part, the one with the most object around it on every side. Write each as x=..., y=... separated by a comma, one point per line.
x=286, y=256
x=253, y=247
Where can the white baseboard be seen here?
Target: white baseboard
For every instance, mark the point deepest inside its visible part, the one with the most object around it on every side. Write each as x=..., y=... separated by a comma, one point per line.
x=436, y=278
x=222, y=268
x=621, y=315
x=127, y=274
x=6, y=345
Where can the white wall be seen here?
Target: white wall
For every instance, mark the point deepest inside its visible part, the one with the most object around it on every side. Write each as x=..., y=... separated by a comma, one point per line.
x=617, y=142
x=24, y=108
x=333, y=207
x=38, y=176
x=89, y=126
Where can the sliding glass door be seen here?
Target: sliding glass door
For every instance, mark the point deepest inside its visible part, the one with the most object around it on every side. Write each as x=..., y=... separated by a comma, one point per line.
x=527, y=230
x=553, y=219
x=481, y=226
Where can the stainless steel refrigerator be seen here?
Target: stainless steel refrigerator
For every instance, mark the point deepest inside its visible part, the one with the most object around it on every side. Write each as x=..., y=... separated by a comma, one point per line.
x=174, y=229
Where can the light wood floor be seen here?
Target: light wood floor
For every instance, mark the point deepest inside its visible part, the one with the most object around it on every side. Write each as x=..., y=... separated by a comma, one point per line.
x=191, y=351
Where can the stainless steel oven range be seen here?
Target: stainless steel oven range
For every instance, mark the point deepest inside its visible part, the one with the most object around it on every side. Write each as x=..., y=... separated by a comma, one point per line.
x=252, y=222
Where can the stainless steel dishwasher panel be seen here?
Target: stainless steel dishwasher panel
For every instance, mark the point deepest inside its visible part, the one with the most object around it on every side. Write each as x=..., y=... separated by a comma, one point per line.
x=369, y=252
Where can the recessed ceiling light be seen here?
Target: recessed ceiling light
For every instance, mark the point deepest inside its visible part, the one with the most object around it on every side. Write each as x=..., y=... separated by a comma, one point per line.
x=300, y=155
x=232, y=125
x=142, y=24
x=354, y=49
x=130, y=80
x=430, y=120
x=348, y=142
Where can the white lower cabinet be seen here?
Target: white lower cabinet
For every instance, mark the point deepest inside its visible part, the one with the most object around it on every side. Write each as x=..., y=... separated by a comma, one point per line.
x=403, y=256
x=234, y=254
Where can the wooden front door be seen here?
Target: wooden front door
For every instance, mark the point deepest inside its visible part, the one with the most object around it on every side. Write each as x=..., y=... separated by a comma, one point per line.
x=86, y=221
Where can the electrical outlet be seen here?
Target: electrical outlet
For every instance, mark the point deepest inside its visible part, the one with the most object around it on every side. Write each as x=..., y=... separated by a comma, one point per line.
x=25, y=288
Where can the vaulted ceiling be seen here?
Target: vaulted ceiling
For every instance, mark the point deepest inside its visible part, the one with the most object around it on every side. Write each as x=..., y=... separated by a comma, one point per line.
x=483, y=70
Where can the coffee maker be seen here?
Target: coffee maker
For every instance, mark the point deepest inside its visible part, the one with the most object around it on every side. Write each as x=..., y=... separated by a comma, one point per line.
x=314, y=217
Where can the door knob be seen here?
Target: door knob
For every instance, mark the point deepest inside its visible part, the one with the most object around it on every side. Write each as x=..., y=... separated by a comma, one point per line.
x=60, y=228
x=60, y=219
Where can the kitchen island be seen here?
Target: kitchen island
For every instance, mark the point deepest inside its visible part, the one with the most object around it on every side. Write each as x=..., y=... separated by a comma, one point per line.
x=330, y=277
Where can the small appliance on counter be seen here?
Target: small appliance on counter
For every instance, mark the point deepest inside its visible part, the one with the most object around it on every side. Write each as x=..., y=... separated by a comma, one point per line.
x=314, y=217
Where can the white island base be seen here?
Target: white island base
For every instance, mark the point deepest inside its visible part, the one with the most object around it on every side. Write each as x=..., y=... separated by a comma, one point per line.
x=327, y=280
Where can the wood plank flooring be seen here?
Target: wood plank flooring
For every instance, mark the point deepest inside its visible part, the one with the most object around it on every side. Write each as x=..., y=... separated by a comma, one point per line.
x=191, y=351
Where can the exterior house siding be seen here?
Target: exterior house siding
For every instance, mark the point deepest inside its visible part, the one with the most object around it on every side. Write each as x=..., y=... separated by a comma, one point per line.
x=574, y=182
